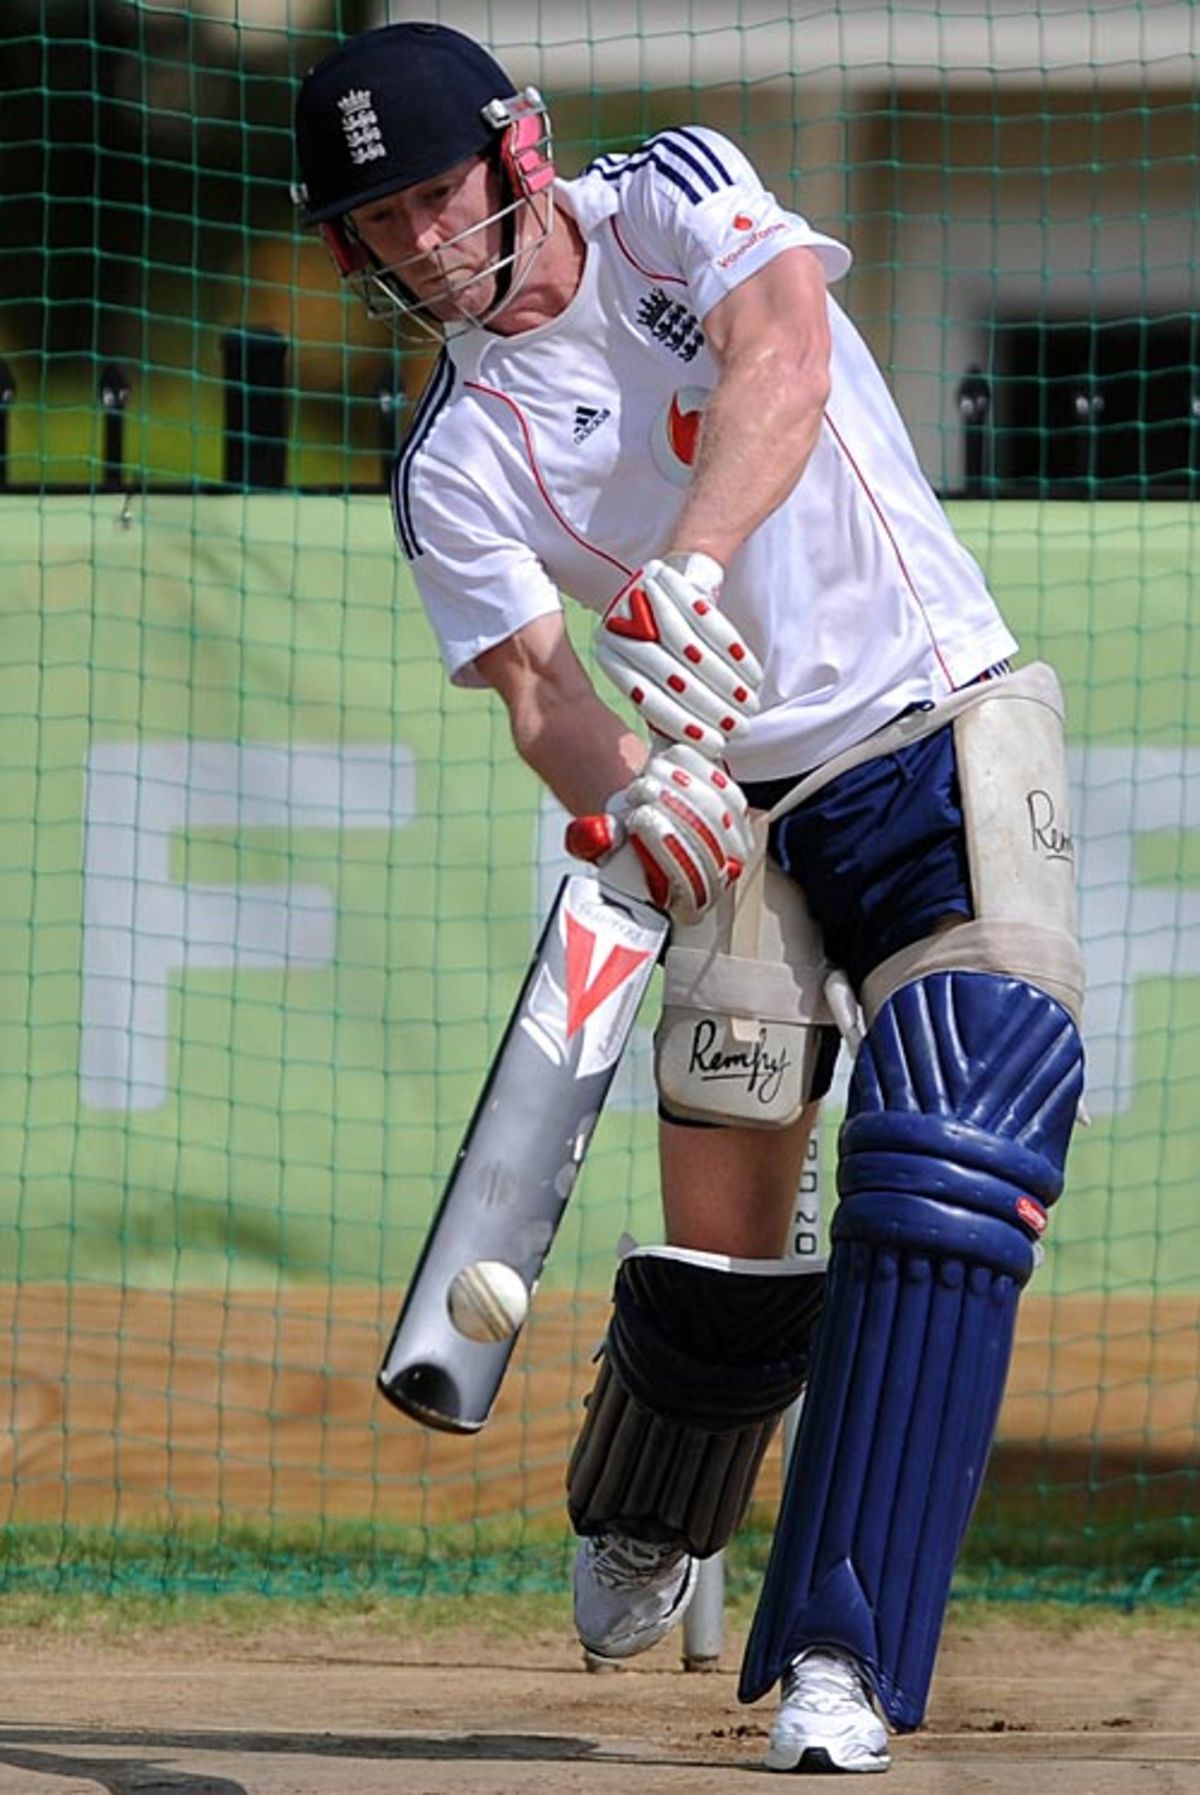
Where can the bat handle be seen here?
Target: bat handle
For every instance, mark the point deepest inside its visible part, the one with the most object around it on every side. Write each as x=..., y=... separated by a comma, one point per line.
x=622, y=872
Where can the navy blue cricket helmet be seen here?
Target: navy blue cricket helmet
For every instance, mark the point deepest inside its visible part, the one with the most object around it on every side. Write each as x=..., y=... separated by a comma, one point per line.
x=392, y=107
x=399, y=105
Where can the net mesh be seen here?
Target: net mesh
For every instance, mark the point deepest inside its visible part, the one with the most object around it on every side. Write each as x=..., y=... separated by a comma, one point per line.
x=268, y=885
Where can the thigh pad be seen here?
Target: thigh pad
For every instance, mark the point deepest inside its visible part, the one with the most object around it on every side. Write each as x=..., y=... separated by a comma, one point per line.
x=744, y=1008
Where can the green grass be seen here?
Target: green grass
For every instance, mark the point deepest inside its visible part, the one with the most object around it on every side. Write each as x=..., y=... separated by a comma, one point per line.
x=124, y=1618
x=357, y=1569
x=247, y=1614
x=338, y=1561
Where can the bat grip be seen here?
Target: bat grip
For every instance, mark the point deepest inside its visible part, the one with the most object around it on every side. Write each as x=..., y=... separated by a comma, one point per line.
x=624, y=874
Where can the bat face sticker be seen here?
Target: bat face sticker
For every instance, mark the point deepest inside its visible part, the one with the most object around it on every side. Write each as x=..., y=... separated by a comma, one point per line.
x=587, y=982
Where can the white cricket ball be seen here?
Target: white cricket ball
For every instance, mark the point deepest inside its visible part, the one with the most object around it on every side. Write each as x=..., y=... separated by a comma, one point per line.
x=487, y=1301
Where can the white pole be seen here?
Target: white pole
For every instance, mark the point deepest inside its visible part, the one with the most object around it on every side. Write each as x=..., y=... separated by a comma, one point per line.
x=704, y=1622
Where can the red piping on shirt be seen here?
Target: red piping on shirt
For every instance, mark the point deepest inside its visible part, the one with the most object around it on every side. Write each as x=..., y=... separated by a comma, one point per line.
x=492, y=392
x=877, y=508
x=650, y=274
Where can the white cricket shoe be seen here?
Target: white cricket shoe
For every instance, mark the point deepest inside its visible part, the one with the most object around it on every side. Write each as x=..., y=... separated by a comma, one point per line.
x=826, y=1719
x=629, y=1593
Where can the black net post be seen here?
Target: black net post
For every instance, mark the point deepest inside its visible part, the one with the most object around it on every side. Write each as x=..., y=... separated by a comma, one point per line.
x=256, y=408
x=975, y=411
x=114, y=397
x=390, y=400
x=1087, y=413
x=8, y=393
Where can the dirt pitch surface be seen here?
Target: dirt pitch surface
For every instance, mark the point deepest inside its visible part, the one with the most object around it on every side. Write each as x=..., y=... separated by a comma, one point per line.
x=1017, y=1710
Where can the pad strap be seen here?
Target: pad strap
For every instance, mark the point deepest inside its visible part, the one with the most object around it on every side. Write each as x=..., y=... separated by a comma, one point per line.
x=703, y=1355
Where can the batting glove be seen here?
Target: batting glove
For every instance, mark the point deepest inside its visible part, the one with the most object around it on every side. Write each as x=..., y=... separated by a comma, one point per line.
x=687, y=821
x=664, y=643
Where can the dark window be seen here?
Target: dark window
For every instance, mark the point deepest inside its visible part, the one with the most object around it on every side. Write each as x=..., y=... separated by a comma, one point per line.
x=1108, y=407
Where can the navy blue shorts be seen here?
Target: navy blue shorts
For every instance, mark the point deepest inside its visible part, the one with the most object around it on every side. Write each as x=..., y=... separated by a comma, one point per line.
x=879, y=852
x=880, y=855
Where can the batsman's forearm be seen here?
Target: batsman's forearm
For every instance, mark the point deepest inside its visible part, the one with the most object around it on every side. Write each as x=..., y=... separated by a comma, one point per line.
x=560, y=726
x=580, y=749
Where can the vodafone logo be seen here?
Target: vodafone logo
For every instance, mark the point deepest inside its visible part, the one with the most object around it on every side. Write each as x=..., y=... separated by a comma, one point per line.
x=757, y=235
x=675, y=434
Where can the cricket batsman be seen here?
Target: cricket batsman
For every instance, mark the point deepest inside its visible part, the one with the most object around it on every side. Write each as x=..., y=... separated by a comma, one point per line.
x=648, y=398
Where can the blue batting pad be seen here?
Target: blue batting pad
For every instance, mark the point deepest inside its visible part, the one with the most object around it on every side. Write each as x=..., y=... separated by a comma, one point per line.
x=960, y=1112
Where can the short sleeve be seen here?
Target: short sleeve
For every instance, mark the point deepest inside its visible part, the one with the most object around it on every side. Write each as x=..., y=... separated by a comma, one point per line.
x=478, y=586
x=692, y=195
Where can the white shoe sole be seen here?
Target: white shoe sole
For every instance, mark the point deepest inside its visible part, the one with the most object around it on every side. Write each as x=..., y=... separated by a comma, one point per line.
x=817, y=1757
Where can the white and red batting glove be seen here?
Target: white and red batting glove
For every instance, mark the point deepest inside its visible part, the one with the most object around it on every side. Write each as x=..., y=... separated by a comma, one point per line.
x=688, y=822
x=664, y=643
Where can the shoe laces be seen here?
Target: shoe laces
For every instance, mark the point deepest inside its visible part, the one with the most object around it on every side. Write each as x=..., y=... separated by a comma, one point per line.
x=827, y=1682
x=618, y=1561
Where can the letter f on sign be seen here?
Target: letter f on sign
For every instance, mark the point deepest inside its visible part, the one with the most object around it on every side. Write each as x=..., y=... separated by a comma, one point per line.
x=140, y=929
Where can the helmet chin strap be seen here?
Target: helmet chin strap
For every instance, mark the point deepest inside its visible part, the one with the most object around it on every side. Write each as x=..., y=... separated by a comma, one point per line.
x=509, y=279
x=388, y=298
x=508, y=234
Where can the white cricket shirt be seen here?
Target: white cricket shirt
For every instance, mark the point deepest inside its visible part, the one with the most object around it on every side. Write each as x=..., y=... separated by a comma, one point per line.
x=556, y=462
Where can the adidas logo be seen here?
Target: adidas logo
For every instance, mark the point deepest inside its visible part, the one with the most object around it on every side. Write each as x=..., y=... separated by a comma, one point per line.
x=587, y=419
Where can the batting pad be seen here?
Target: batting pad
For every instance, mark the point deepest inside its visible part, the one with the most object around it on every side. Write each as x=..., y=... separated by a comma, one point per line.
x=960, y=1112
x=702, y=1357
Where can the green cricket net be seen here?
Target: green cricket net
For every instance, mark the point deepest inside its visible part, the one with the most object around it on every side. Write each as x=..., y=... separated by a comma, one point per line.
x=268, y=886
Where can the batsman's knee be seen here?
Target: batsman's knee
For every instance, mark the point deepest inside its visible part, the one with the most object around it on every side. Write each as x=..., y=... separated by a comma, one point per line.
x=959, y=1115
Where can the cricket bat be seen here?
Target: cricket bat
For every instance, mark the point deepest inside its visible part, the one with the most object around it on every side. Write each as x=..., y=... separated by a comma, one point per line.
x=528, y=1137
